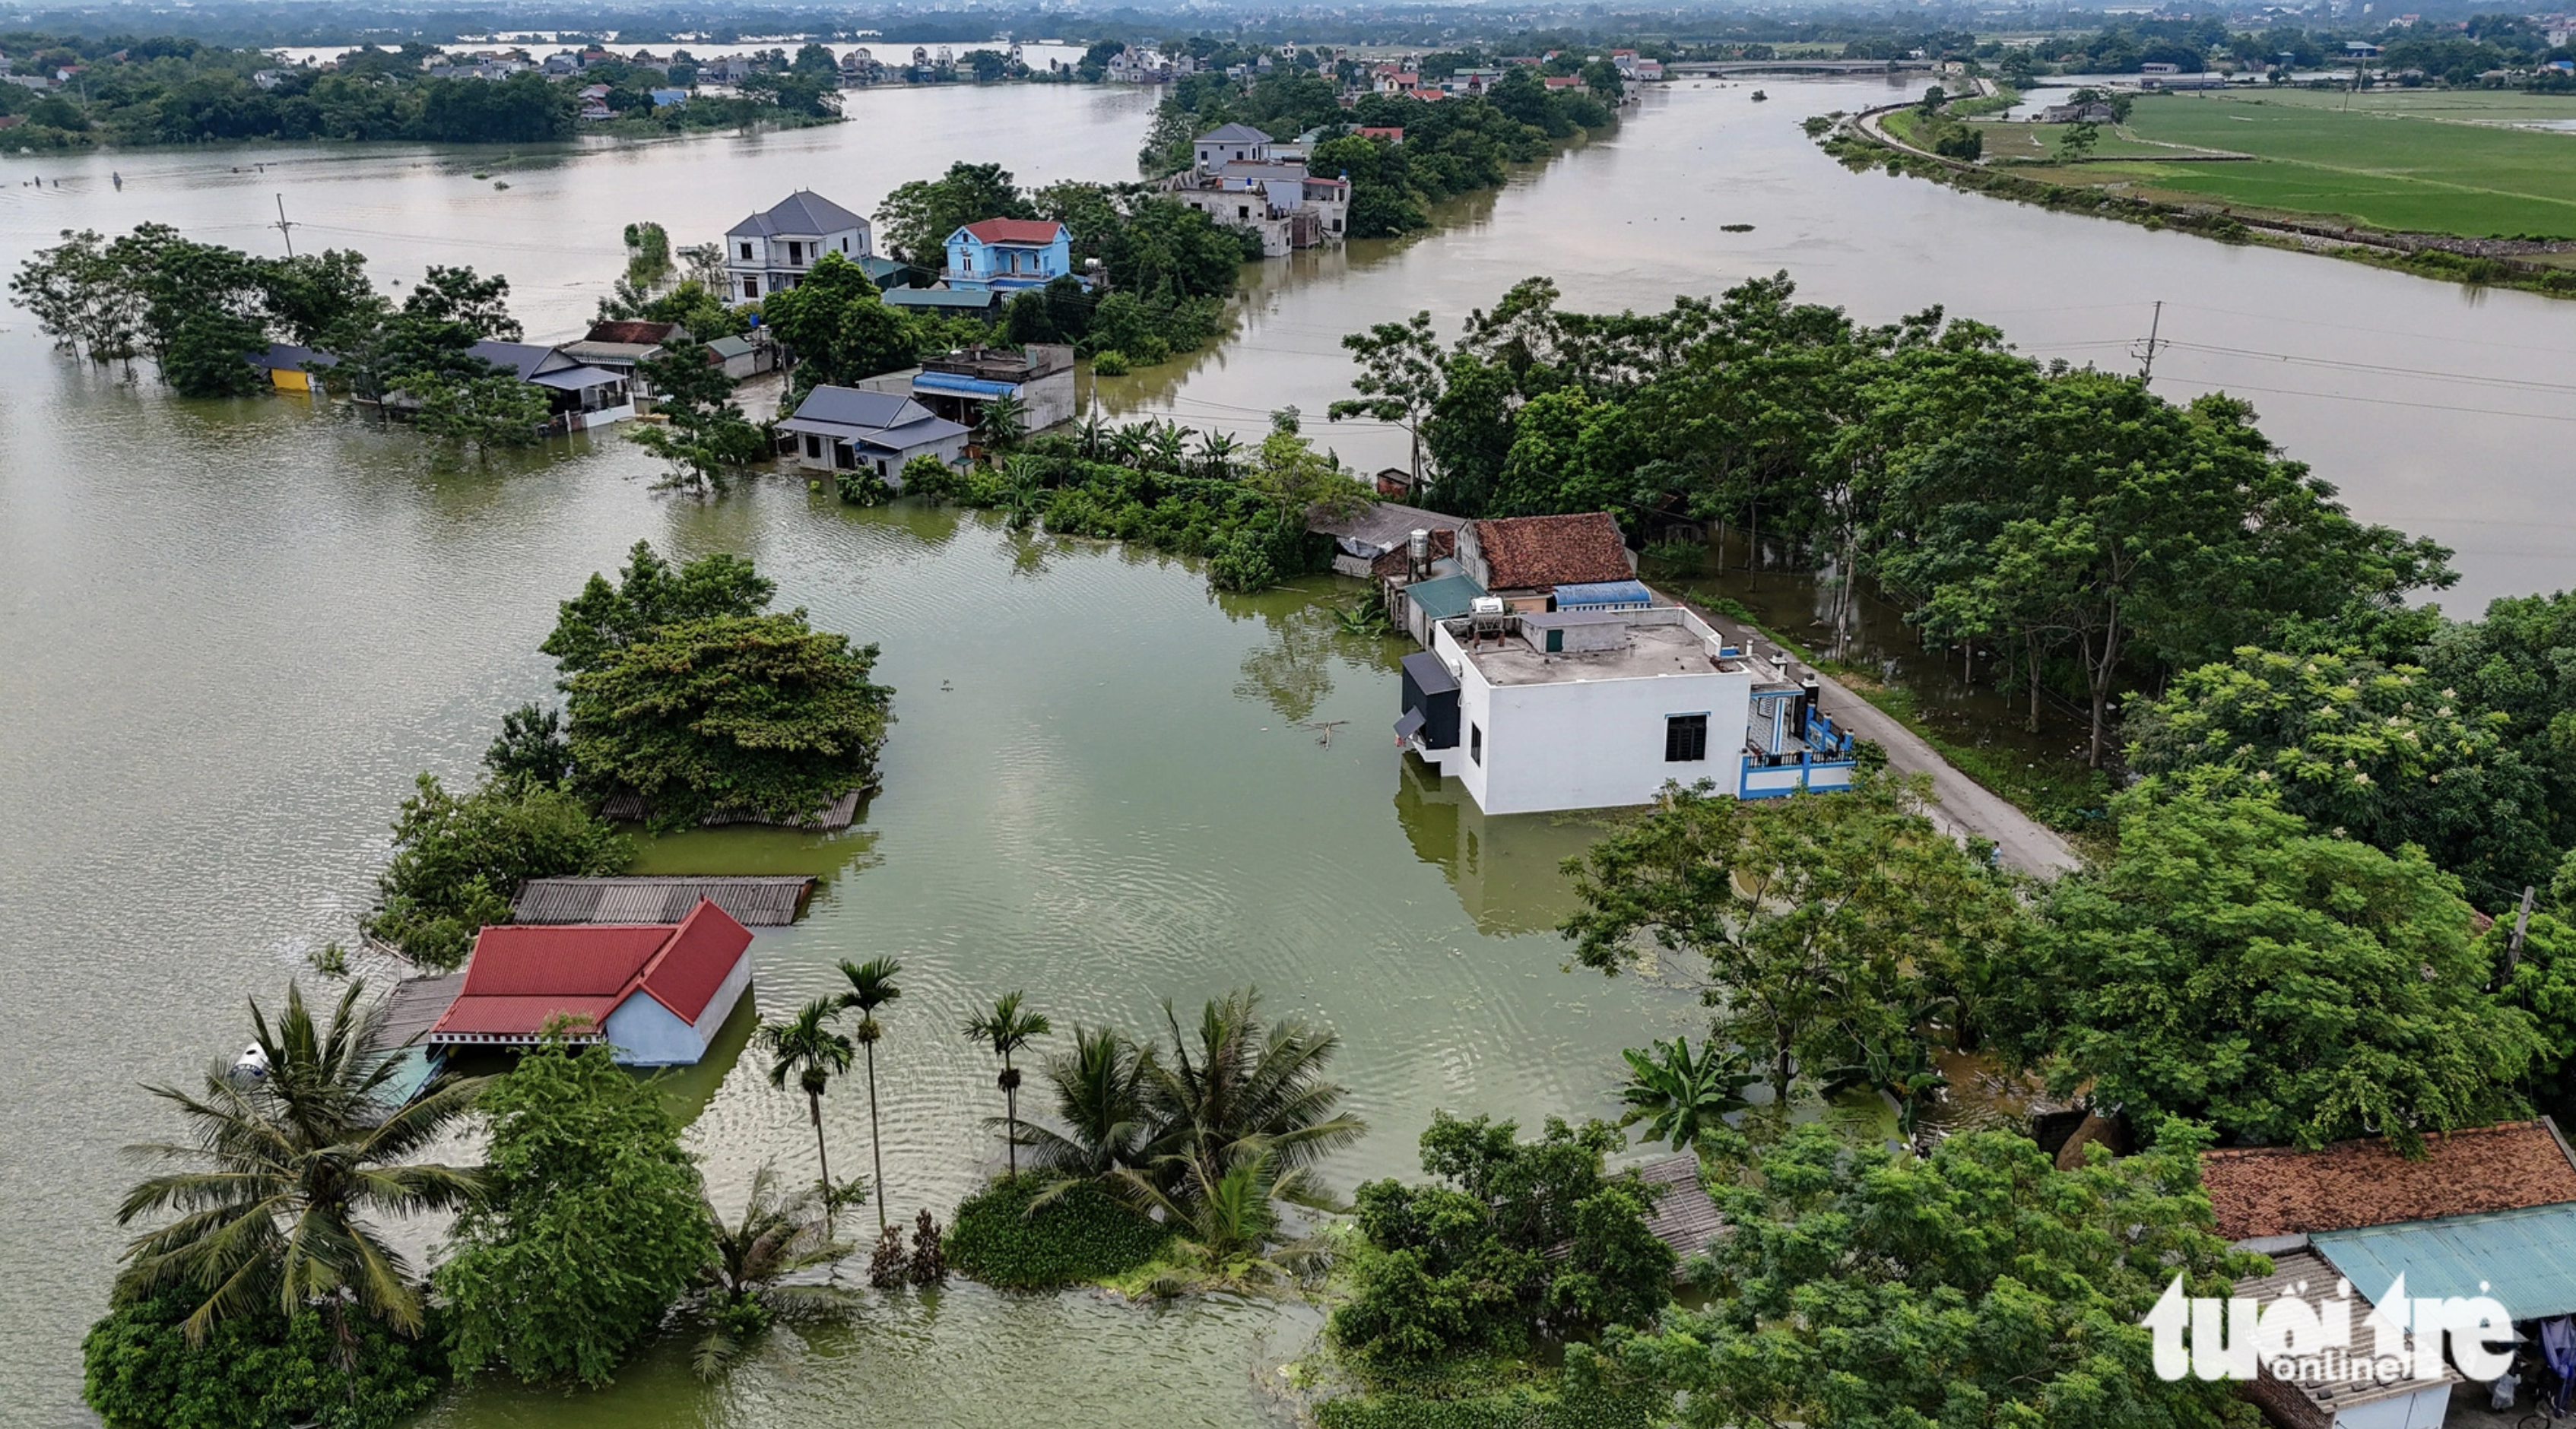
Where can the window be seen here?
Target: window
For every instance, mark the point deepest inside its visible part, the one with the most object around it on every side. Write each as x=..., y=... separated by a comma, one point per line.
x=795, y=252
x=845, y=245
x=1476, y=743
x=1685, y=738
x=751, y=287
x=746, y=253
x=813, y=447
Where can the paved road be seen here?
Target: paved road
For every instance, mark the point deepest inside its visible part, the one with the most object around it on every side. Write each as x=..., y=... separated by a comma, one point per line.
x=1959, y=804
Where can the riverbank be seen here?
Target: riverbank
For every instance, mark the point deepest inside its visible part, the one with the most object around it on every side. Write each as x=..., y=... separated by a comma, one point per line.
x=2134, y=183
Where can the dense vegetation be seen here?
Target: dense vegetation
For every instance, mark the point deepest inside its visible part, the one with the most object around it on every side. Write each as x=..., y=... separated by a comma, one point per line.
x=1989, y=492
x=1452, y=147
x=176, y=91
x=1081, y=1236
x=458, y=859
x=1143, y=483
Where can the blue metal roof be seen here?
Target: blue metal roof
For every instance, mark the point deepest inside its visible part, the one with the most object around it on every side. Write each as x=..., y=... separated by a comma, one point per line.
x=2526, y=1259
x=957, y=382
x=1443, y=598
x=1603, y=593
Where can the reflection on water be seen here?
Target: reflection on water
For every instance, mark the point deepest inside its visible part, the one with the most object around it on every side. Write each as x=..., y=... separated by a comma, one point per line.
x=1503, y=867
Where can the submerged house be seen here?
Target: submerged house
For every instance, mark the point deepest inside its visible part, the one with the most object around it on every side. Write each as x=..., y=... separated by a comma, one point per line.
x=1599, y=706
x=850, y=429
x=771, y=251
x=578, y=395
x=290, y=368
x=957, y=386
x=655, y=992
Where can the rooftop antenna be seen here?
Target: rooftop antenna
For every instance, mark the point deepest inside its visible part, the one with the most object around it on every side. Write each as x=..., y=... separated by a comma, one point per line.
x=2146, y=352
x=284, y=227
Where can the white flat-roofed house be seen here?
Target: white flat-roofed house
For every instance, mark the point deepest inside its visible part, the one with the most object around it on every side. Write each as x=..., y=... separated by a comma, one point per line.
x=772, y=252
x=1537, y=711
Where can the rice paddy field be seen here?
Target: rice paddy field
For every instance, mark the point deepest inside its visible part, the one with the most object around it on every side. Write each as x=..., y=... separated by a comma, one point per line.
x=2467, y=163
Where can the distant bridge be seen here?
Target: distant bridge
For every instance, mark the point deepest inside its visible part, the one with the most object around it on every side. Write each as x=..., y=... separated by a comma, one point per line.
x=1724, y=67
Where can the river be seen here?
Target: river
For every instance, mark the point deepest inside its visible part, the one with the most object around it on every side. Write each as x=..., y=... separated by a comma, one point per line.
x=235, y=629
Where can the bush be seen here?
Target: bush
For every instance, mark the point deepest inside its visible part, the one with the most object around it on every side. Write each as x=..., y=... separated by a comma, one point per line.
x=1112, y=363
x=1083, y=1236
x=1242, y=562
x=139, y=1373
x=457, y=860
x=1520, y=1407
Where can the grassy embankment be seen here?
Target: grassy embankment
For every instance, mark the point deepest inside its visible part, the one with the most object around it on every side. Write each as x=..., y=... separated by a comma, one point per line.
x=2448, y=164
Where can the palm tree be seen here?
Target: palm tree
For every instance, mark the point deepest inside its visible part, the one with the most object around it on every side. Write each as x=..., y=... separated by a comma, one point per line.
x=1224, y=1217
x=1005, y=419
x=1216, y=454
x=1023, y=494
x=872, y=986
x=808, y=1048
x=1682, y=1097
x=1006, y=1029
x=1097, y=1094
x=1128, y=443
x=778, y=1235
x=1242, y=1080
x=279, y=1180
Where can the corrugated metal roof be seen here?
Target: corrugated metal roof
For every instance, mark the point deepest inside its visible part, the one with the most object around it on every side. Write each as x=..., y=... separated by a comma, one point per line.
x=1684, y=1217
x=939, y=297
x=1602, y=593
x=413, y=1007
x=856, y=407
x=1443, y=598
x=755, y=901
x=2526, y=1259
x=957, y=382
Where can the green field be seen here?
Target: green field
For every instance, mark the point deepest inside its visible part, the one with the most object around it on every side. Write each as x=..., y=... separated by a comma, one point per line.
x=2032, y=143
x=2416, y=161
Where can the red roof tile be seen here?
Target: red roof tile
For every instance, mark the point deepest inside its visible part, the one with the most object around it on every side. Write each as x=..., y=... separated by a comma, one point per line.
x=2280, y=1190
x=522, y=975
x=1538, y=552
x=1016, y=230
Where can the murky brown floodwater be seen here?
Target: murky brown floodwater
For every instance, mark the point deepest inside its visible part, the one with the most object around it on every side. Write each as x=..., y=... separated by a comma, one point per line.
x=233, y=630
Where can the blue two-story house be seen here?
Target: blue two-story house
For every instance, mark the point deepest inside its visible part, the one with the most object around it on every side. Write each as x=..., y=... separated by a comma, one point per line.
x=1008, y=253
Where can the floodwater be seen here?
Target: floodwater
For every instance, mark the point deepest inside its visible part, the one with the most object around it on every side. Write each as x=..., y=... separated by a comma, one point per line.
x=234, y=630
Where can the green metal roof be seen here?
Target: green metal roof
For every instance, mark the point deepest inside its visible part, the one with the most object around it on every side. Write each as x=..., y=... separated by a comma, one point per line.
x=939, y=298
x=2526, y=1259
x=1443, y=598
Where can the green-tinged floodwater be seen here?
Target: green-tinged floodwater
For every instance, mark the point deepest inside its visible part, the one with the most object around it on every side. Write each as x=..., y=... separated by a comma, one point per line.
x=223, y=672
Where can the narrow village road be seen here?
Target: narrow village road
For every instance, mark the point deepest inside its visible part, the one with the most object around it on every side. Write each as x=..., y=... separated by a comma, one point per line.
x=1960, y=805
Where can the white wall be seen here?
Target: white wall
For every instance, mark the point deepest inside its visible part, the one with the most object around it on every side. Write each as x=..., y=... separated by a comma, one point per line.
x=1587, y=744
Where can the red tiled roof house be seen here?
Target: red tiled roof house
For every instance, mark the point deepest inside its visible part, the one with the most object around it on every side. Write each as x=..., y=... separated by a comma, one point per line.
x=656, y=992
x=1524, y=559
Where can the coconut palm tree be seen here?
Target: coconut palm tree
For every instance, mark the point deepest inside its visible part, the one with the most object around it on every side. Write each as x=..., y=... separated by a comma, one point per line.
x=778, y=1235
x=1241, y=1080
x=1216, y=454
x=1225, y=1219
x=1681, y=1096
x=1097, y=1097
x=872, y=986
x=1007, y=1028
x=808, y=1048
x=283, y=1172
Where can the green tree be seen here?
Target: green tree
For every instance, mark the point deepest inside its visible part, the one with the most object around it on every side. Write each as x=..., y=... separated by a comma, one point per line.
x=492, y=408
x=810, y=1049
x=462, y=296
x=872, y=985
x=2077, y=140
x=593, y=1226
x=207, y=352
x=1003, y=422
x=1517, y=1240
x=531, y=748
x=322, y=299
x=458, y=860
x=1399, y=378
x=2384, y=754
x=2236, y=968
x=916, y=219
x=757, y=715
x=1685, y=1098
x=1100, y=1098
x=1824, y=919
x=838, y=327
x=277, y=1186
x=705, y=436
x=1007, y=1028
x=593, y=627
x=1980, y=1285
x=140, y=1372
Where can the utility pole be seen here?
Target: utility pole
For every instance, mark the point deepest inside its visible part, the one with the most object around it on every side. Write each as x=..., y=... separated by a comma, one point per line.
x=2147, y=355
x=284, y=227
x=2521, y=925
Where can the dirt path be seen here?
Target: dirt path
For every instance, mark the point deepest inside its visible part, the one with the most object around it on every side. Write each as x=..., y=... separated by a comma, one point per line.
x=1960, y=805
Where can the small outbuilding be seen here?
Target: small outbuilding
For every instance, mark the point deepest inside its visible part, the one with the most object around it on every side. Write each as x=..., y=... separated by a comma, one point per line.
x=847, y=429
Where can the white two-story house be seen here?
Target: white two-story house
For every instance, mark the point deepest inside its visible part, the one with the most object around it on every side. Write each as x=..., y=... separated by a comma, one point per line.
x=771, y=252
